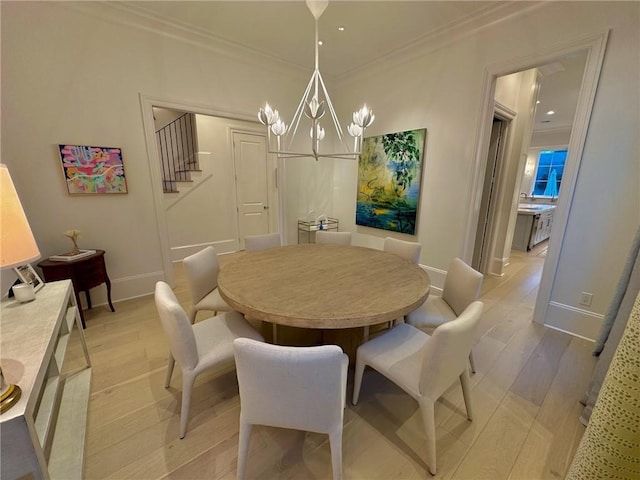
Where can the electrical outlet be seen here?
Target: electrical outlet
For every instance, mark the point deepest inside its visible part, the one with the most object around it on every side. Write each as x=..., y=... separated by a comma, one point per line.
x=585, y=299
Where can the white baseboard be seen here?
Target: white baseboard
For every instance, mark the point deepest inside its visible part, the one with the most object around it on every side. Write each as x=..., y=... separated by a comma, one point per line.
x=437, y=277
x=575, y=321
x=497, y=266
x=124, y=289
x=224, y=246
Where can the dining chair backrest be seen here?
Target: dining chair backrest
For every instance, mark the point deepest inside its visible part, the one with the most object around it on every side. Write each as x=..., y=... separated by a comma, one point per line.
x=300, y=388
x=447, y=352
x=340, y=238
x=202, y=272
x=461, y=286
x=409, y=250
x=177, y=326
x=253, y=243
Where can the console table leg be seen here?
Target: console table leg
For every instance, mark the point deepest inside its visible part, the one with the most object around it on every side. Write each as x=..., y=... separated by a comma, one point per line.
x=88, y=296
x=79, y=305
x=108, y=282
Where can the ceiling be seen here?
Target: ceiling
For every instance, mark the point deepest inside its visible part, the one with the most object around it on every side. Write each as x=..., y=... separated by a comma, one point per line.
x=559, y=92
x=285, y=29
x=373, y=30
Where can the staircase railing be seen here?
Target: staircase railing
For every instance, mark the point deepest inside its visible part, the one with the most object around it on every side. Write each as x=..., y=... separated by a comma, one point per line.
x=177, y=147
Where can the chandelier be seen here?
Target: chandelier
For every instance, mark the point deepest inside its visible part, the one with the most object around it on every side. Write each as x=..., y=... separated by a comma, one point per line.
x=314, y=104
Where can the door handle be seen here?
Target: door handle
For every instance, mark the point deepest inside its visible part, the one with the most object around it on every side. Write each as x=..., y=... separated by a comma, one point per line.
x=265, y=207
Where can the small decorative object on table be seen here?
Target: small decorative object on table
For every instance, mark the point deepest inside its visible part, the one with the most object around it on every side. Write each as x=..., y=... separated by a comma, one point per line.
x=74, y=254
x=73, y=235
x=28, y=275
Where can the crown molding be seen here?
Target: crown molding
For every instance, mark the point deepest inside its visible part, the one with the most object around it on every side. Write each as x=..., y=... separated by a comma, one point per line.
x=553, y=130
x=131, y=16
x=447, y=35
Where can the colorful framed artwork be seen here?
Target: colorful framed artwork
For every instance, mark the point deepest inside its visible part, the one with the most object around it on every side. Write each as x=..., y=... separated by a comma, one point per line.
x=389, y=179
x=92, y=170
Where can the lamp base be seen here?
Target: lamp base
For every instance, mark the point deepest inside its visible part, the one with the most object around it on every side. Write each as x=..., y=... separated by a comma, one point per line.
x=9, y=397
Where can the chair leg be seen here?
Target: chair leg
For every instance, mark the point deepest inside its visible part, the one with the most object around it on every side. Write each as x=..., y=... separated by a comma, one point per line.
x=335, y=442
x=427, y=408
x=192, y=315
x=472, y=362
x=243, y=448
x=170, y=365
x=187, y=387
x=357, y=380
x=466, y=392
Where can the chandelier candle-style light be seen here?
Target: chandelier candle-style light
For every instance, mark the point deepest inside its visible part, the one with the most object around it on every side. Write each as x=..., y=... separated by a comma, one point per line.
x=314, y=108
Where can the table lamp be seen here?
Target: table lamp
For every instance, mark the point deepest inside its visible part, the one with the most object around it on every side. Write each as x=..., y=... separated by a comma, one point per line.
x=17, y=247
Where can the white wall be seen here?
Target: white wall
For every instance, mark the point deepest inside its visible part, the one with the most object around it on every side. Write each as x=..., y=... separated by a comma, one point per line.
x=72, y=75
x=441, y=91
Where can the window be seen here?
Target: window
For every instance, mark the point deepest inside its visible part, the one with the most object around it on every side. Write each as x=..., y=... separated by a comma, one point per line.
x=549, y=174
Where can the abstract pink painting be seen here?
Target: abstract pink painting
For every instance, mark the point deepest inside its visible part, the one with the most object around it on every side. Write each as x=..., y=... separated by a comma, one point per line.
x=92, y=170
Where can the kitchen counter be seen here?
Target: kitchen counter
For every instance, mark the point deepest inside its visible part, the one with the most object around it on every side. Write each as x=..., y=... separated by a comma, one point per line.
x=534, y=208
x=533, y=225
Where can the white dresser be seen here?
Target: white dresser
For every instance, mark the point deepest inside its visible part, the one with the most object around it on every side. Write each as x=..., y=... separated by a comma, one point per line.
x=43, y=351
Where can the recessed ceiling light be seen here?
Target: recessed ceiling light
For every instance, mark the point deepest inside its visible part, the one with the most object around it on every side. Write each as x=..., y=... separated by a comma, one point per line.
x=551, y=112
x=320, y=42
x=537, y=101
x=341, y=29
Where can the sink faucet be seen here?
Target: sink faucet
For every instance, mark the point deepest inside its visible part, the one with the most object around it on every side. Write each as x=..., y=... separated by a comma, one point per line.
x=522, y=194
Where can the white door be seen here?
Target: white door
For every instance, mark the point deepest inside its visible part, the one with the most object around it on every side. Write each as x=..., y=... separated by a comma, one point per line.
x=250, y=160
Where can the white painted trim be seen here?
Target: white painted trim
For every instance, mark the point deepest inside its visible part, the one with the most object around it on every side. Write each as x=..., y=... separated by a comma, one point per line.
x=437, y=277
x=222, y=247
x=448, y=35
x=575, y=321
x=125, y=288
x=148, y=124
x=595, y=44
x=554, y=130
x=593, y=66
x=503, y=111
x=489, y=263
x=133, y=16
x=497, y=266
x=570, y=333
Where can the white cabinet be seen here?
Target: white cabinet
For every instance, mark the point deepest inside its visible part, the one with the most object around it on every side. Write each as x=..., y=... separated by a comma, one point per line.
x=532, y=227
x=43, y=351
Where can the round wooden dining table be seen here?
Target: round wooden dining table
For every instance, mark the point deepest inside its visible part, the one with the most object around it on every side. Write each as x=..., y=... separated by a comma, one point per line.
x=323, y=286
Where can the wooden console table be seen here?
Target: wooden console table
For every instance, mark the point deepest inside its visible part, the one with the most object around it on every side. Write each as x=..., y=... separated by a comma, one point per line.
x=85, y=273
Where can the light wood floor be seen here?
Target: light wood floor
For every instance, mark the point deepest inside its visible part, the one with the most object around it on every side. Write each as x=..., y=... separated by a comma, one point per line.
x=525, y=392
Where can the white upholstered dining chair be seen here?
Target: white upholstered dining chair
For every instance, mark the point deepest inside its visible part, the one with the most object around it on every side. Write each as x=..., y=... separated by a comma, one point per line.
x=423, y=365
x=409, y=250
x=461, y=287
x=202, y=271
x=205, y=345
x=253, y=243
x=301, y=388
x=340, y=238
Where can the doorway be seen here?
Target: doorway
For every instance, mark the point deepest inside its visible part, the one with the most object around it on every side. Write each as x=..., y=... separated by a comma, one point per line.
x=216, y=221
x=495, y=158
x=504, y=221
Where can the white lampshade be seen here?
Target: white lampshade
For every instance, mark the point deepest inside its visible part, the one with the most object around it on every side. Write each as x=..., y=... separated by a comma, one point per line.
x=17, y=245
